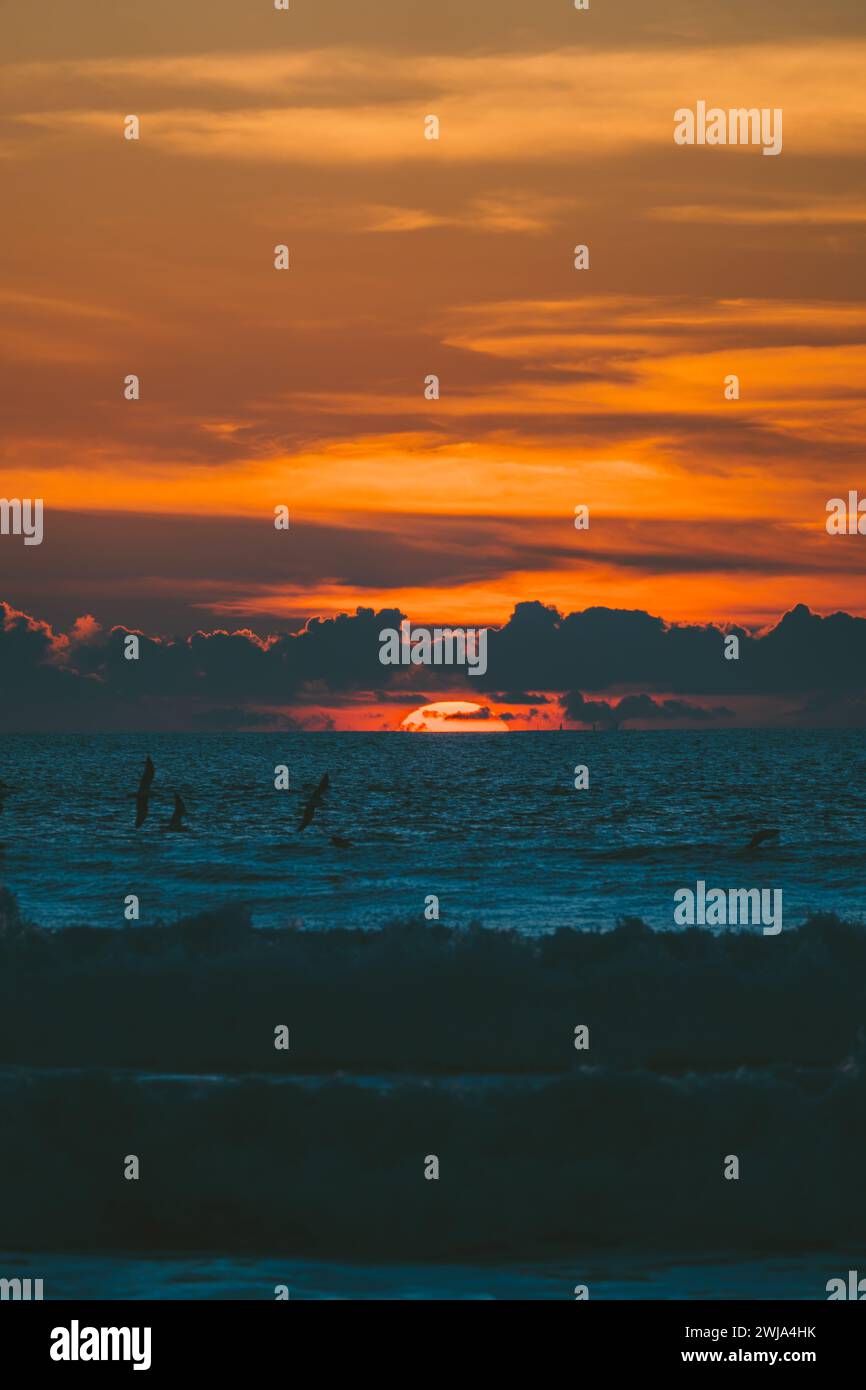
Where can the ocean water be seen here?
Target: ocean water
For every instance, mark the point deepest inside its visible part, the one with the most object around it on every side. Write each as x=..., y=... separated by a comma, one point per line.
x=411, y=1038
x=623, y=1276
x=490, y=823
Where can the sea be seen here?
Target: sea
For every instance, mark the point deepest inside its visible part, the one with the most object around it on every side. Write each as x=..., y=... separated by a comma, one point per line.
x=446, y=1042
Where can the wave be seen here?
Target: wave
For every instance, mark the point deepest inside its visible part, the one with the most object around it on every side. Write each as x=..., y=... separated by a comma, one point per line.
x=528, y=1168
x=407, y=1042
x=205, y=995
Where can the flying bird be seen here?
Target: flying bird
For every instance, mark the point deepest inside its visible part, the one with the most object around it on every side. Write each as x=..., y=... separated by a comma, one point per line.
x=314, y=802
x=179, y=813
x=143, y=794
x=760, y=837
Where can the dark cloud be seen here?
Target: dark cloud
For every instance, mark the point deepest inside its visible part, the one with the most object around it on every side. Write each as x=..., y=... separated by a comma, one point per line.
x=230, y=718
x=520, y=697
x=832, y=710
x=82, y=679
x=102, y=27
x=640, y=708
x=583, y=711
x=602, y=648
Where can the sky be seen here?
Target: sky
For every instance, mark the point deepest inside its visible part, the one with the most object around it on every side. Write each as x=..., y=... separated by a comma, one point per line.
x=409, y=257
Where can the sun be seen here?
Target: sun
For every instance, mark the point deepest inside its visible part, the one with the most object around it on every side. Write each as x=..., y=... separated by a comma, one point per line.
x=454, y=717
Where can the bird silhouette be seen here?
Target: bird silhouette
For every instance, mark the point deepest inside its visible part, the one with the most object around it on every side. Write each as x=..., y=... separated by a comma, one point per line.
x=142, y=796
x=760, y=837
x=314, y=802
x=179, y=813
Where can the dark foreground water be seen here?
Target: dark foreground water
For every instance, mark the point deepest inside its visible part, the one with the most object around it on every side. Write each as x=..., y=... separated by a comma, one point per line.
x=623, y=1275
x=411, y=1039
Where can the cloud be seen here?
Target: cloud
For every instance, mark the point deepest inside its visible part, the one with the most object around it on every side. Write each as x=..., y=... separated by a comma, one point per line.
x=582, y=711
x=828, y=211
x=226, y=719
x=351, y=106
x=600, y=648
x=244, y=42
x=832, y=710
x=55, y=682
x=520, y=697
x=641, y=708
x=506, y=211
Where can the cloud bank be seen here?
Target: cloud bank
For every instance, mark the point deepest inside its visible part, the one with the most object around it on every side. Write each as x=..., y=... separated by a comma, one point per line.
x=641, y=668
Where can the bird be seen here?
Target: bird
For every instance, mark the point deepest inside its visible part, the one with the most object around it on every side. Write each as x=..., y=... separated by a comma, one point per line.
x=314, y=801
x=143, y=793
x=760, y=836
x=341, y=842
x=179, y=813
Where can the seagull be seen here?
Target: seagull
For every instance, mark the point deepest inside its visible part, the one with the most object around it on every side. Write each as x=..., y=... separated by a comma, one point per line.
x=143, y=793
x=760, y=836
x=313, y=803
x=179, y=813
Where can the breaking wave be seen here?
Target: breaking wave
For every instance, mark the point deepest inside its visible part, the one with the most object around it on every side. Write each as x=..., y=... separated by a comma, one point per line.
x=412, y=1041
x=205, y=995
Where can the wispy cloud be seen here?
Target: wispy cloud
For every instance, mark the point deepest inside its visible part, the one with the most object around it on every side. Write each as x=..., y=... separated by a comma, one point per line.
x=351, y=107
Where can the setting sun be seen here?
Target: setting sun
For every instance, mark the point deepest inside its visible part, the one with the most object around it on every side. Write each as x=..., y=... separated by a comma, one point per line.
x=454, y=717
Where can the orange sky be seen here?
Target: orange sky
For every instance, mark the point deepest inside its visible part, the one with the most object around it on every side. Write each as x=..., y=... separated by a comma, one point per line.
x=409, y=257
